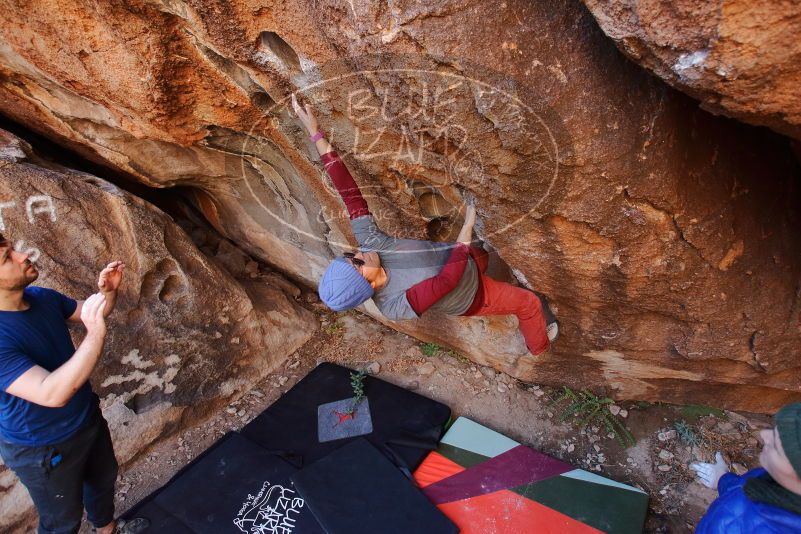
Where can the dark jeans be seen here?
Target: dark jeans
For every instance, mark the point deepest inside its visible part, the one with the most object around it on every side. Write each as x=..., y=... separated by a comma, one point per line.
x=65, y=477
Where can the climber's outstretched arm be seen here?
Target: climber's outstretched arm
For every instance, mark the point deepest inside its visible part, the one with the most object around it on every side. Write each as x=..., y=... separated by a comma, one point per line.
x=334, y=166
x=309, y=121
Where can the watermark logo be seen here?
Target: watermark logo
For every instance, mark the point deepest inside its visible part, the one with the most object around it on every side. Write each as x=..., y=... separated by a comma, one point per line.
x=422, y=141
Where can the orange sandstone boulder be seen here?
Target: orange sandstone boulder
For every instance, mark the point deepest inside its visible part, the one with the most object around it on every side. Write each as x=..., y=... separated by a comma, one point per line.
x=665, y=237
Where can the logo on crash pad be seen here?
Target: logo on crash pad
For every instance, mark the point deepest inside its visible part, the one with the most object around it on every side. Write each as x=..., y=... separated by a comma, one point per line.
x=341, y=419
x=273, y=510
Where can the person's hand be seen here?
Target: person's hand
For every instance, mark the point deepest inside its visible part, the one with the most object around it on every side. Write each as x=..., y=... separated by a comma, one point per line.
x=469, y=215
x=466, y=233
x=92, y=314
x=110, y=277
x=305, y=115
x=709, y=474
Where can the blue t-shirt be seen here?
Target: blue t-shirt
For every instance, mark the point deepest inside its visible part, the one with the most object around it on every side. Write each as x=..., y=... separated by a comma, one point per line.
x=38, y=336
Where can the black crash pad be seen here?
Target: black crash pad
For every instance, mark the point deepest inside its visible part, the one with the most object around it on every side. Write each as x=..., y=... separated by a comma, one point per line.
x=357, y=490
x=236, y=486
x=406, y=426
x=245, y=477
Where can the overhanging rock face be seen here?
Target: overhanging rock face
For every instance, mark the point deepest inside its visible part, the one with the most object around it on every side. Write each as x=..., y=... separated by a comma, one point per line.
x=666, y=238
x=739, y=58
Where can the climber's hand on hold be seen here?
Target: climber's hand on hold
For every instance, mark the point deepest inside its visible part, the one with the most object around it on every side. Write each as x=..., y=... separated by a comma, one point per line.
x=469, y=215
x=305, y=115
x=709, y=474
x=466, y=233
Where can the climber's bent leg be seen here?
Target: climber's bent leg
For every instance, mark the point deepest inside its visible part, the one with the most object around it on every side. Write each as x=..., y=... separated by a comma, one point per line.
x=501, y=298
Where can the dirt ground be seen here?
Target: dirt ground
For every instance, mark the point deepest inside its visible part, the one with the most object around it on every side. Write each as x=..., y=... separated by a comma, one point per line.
x=657, y=463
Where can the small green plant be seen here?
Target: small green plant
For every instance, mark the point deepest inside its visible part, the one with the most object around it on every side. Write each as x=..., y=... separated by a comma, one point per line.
x=686, y=433
x=430, y=349
x=334, y=328
x=357, y=383
x=588, y=408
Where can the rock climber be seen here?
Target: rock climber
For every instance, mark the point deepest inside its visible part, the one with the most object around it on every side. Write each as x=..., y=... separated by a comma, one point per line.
x=52, y=433
x=764, y=500
x=407, y=277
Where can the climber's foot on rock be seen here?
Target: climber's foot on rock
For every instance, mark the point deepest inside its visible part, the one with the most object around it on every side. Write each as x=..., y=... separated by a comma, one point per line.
x=552, y=325
x=553, y=331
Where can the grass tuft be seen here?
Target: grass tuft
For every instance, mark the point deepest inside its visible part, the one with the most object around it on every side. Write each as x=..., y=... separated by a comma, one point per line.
x=686, y=433
x=430, y=349
x=586, y=408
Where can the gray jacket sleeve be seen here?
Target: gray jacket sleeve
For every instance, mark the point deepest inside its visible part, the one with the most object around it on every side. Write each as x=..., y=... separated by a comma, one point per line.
x=368, y=234
x=395, y=307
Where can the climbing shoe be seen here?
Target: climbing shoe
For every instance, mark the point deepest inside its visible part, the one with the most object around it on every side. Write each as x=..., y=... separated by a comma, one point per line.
x=552, y=325
x=553, y=331
x=134, y=526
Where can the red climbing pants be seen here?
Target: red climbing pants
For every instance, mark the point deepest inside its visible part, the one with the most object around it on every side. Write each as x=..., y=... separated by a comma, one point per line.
x=500, y=298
